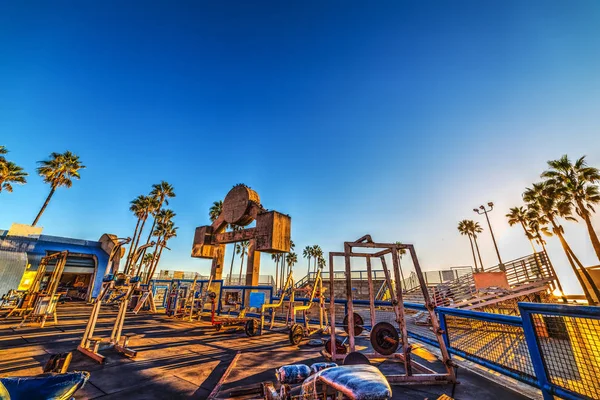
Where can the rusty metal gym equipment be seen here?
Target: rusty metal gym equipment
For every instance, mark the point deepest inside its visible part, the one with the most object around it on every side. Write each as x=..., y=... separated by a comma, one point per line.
x=385, y=337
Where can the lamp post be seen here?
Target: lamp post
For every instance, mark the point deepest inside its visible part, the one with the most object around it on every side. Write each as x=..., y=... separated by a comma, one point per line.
x=483, y=210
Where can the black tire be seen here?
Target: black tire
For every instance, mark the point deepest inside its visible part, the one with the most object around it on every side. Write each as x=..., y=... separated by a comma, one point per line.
x=251, y=327
x=296, y=334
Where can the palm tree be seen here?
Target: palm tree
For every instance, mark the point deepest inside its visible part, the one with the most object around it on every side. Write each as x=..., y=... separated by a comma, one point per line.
x=317, y=253
x=307, y=253
x=276, y=257
x=463, y=228
x=3, y=151
x=518, y=215
x=160, y=193
x=11, y=173
x=59, y=170
x=140, y=208
x=551, y=202
x=242, y=250
x=164, y=232
x=291, y=259
x=215, y=210
x=146, y=262
x=579, y=183
x=475, y=228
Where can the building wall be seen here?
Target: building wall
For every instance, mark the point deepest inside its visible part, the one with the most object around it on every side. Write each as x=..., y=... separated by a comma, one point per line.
x=16, y=252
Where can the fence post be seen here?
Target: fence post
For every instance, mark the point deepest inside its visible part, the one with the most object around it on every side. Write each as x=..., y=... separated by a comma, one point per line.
x=444, y=327
x=535, y=354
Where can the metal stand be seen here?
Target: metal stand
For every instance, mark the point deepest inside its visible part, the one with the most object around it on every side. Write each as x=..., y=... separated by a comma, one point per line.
x=385, y=337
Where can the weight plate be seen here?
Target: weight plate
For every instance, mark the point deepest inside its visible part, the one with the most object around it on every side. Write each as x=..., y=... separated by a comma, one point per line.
x=251, y=327
x=358, y=324
x=217, y=327
x=296, y=334
x=356, y=358
x=339, y=347
x=384, y=338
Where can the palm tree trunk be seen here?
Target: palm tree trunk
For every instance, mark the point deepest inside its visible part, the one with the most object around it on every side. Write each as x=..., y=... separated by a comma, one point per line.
x=528, y=237
x=151, y=273
x=478, y=253
x=135, y=232
x=567, y=251
x=128, y=265
x=276, y=273
x=241, y=265
x=231, y=266
x=591, y=232
x=308, y=272
x=473, y=251
x=586, y=275
x=154, y=261
x=162, y=199
x=52, y=190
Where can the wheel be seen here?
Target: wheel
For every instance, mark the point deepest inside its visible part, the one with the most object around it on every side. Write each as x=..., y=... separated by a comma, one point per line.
x=358, y=324
x=251, y=327
x=339, y=347
x=296, y=334
x=384, y=338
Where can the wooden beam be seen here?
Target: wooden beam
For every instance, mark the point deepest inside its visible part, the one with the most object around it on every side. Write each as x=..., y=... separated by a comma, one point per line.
x=234, y=236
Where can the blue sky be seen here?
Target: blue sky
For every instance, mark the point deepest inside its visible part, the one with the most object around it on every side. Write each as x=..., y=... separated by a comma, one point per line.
x=389, y=118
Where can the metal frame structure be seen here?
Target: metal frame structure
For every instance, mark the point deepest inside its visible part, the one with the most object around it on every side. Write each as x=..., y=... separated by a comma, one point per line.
x=289, y=284
x=42, y=303
x=317, y=291
x=90, y=345
x=424, y=375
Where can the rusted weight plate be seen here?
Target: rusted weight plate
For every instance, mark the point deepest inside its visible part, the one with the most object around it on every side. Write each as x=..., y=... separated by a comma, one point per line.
x=385, y=339
x=236, y=206
x=339, y=347
x=358, y=324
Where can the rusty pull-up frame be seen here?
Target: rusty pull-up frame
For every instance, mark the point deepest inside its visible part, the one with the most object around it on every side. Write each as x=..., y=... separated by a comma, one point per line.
x=424, y=375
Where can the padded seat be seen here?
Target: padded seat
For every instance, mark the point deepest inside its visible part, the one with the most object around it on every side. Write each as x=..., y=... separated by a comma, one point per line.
x=291, y=374
x=357, y=382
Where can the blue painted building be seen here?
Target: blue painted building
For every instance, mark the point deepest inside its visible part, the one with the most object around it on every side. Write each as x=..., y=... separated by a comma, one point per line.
x=21, y=251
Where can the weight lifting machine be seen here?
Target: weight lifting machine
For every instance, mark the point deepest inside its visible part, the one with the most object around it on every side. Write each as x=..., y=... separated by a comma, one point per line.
x=298, y=331
x=39, y=305
x=385, y=337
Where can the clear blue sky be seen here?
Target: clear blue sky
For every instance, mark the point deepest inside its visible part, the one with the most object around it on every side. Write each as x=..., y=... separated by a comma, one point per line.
x=389, y=118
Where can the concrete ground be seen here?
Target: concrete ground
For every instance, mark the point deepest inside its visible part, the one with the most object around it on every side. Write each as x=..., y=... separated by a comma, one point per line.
x=179, y=359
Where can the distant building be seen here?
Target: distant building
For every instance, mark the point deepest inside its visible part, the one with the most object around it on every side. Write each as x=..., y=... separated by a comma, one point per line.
x=22, y=248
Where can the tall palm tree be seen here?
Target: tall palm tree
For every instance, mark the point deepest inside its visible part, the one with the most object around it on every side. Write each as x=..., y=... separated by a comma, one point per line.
x=11, y=173
x=215, y=210
x=146, y=262
x=3, y=151
x=140, y=208
x=518, y=215
x=475, y=229
x=550, y=201
x=579, y=183
x=160, y=193
x=463, y=228
x=317, y=253
x=307, y=253
x=59, y=170
x=242, y=251
x=276, y=257
x=291, y=259
x=164, y=232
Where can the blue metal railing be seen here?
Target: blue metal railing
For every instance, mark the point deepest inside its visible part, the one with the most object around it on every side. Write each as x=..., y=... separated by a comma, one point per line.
x=553, y=347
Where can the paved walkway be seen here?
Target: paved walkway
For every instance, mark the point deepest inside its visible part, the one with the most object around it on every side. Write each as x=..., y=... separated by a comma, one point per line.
x=182, y=359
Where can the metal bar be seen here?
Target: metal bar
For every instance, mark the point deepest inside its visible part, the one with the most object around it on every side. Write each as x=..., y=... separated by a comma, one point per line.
x=331, y=307
x=350, y=313
x=371, y=293
x=535, y=354
x=562, y=309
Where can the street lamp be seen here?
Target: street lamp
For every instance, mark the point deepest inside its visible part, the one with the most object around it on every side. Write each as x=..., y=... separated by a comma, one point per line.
x=485, y=211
